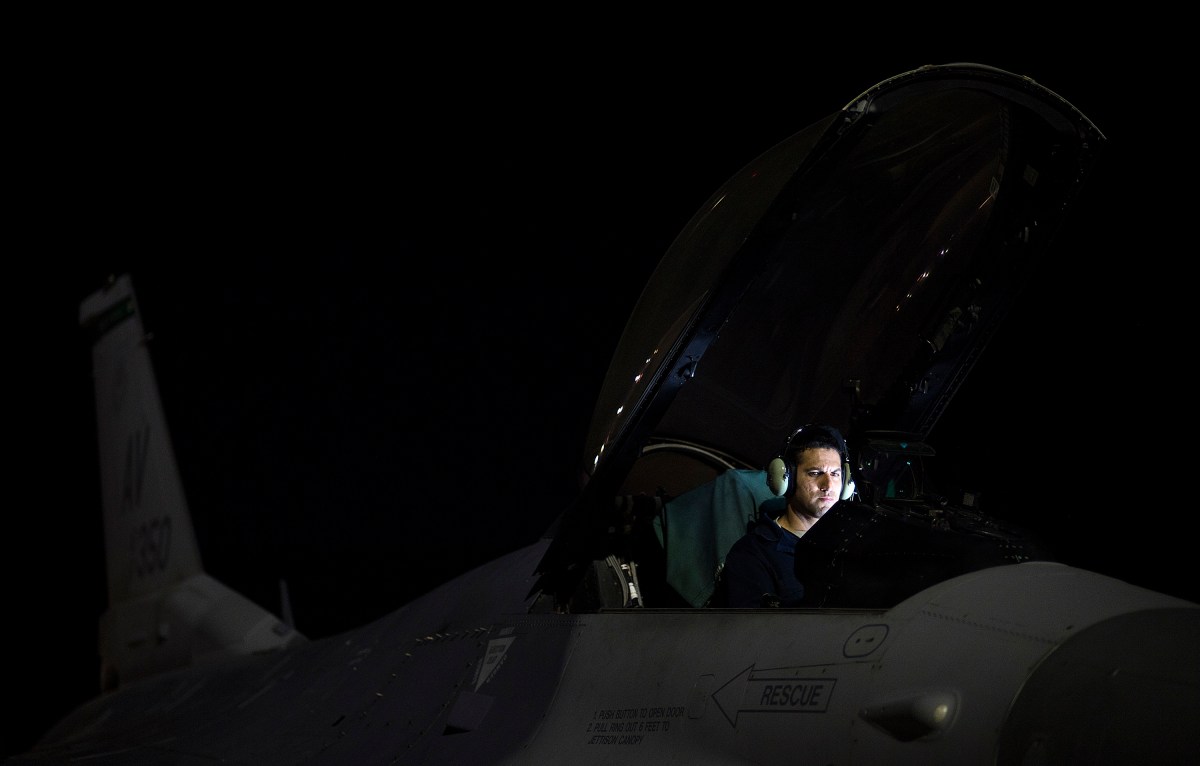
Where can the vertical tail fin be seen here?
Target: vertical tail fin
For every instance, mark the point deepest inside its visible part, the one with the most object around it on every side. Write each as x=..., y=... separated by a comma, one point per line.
x=147, y=525
x=163, y=610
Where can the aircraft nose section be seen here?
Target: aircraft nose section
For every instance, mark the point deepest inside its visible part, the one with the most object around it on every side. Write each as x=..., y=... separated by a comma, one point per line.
x=1124, y=691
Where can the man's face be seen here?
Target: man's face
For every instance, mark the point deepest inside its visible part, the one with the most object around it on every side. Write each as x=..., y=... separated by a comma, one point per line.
x=818, y=481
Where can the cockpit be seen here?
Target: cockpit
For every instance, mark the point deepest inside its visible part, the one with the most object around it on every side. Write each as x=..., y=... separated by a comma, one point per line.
x=850, y=275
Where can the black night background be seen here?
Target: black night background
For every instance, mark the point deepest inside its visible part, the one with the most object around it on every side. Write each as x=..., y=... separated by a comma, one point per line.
x=384, y=292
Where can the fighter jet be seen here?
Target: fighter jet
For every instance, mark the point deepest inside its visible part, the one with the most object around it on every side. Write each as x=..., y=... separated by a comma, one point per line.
x=851, y=275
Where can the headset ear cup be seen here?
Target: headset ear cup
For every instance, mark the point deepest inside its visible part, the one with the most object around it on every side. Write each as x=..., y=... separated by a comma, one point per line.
x=847, y=482
x=777, y=477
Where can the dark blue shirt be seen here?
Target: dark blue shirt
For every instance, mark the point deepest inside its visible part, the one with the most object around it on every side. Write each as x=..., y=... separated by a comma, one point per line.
x=760, y=568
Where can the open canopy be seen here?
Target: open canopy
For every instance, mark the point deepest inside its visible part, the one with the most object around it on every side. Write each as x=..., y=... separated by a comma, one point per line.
x=850, y=275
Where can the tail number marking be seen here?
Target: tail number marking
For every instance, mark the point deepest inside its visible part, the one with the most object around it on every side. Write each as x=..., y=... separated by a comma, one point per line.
x=149, y=541
x=136, y=450
x=151, y=545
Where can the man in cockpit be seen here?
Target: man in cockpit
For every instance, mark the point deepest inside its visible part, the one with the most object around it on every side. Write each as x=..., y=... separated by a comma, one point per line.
x=810, y=473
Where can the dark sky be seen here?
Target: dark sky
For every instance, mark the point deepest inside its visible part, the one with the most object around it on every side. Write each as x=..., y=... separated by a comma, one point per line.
x=383, y=302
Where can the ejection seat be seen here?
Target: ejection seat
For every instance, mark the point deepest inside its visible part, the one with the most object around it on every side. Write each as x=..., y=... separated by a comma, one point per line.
x=680, y=511
x=699, y=527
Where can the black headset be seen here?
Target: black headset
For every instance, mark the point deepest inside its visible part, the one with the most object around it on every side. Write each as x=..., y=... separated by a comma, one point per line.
x=781, y=468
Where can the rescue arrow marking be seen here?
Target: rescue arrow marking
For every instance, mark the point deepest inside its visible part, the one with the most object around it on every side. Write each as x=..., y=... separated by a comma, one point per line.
x=775, y=690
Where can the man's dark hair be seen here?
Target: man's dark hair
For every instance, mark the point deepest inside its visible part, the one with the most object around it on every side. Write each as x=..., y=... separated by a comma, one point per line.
x=815, y=436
